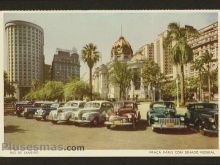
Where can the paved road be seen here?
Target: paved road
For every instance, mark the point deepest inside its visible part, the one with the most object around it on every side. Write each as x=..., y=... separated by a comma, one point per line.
x=29, y=131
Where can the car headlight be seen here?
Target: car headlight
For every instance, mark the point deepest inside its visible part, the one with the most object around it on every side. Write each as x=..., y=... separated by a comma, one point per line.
x=212, y=120
x=182, y=119
x=156, y=118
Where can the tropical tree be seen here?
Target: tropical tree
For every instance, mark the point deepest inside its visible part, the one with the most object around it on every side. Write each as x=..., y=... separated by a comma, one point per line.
x=198, y=66
x=151, y=75
x=181, y=52
x=91, y=56
x=8, y=88
x=121, y=76
x=207, y=59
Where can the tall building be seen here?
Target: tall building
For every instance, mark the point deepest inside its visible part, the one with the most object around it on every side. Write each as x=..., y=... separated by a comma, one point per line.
x=65, y=65
x=147, y=50
x=207, y=40
x=162, y=57
x=25, y=46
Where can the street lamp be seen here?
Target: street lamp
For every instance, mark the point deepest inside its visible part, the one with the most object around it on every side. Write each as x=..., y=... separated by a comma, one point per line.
x=177, y=92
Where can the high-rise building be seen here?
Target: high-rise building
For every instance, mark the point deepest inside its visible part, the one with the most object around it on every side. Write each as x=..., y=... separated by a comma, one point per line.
x=25, y=46
x=207, y=41
x=148, y=50
x=65, y=65
x=162, y=57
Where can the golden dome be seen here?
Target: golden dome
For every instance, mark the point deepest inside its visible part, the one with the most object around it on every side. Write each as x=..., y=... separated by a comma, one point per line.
x=138, y=56
x=121, y=46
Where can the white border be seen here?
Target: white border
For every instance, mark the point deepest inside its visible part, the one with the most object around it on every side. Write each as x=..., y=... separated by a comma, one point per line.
x=93, y=153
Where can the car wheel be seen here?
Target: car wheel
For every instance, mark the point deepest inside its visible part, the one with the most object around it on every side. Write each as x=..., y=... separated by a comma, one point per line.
x=95, y=122
x=108, y=126
x=29, y=116
x=54, y=122
x=38, y=119
x=201, y=130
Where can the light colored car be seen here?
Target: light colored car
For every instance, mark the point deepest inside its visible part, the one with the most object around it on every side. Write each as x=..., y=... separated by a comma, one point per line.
x=93, y=113
x=64, y=113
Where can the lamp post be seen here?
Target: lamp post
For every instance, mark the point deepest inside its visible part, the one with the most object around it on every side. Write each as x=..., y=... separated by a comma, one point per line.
x=177, y=92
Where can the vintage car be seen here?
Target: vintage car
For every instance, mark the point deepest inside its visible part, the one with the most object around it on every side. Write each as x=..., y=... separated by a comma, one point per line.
x=45, y=110
x=29, y=112
x=20, y=105
x=203, y=116
x=162, y=115
x=93, y=113
x=64, y=113
x=125, y=114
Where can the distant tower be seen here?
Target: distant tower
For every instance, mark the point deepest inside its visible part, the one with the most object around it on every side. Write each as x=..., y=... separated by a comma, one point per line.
x=25, y=47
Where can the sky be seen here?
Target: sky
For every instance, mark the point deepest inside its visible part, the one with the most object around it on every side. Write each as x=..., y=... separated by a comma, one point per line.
x=76, y=29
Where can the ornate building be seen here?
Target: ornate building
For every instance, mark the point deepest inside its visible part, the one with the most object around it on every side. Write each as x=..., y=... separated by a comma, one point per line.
x=121, y=51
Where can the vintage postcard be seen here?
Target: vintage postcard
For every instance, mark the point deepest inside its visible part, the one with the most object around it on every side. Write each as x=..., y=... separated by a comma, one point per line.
x=109, y=83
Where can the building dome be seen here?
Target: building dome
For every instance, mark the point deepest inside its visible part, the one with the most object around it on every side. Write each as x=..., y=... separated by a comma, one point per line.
x=138, y=56
x=121, y=47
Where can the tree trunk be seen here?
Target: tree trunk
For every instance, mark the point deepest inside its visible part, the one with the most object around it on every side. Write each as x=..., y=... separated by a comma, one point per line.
x=200, y=87
x=182, y=87
x=209, y=85
x=90, y=83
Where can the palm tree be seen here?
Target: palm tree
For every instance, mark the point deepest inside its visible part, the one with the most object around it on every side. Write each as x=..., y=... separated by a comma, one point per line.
x=198, y=66
x=181, y=52
x=90, y=55
x=207, y=59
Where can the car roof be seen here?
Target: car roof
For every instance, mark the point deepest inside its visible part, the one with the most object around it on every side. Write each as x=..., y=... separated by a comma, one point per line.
x=76, y=101
x=201, y=103
x=99, y=101
x=126, y=101
x=162, y=102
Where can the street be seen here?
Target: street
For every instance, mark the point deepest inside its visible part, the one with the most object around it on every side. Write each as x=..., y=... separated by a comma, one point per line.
x=19, y=130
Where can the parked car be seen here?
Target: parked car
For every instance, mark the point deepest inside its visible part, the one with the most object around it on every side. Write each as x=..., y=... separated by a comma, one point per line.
x=93, y=113
x=20, y=105
x=64, y=113
x=29, y=112
x=125, y=114
x=203, y=116
x=45, y=110
x=162, y=115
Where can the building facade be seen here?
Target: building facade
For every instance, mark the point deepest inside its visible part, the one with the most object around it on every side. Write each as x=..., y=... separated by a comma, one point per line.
x=65, y=65
x=25, y=46
x=207, y=41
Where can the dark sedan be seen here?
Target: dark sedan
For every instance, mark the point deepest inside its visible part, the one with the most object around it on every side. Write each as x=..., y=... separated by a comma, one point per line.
x=162, y=115
x=203, y=116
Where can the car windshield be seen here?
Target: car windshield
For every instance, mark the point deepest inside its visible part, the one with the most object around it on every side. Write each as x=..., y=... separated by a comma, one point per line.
x=124, y=105
x=71, y=104
x=207, y=106
x=163, y=105
x=92, y=105
x=54, y=105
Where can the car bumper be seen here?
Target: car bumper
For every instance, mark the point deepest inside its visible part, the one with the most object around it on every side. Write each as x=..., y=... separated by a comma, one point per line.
x=38, y=116
x=117, y=123
x=169, y=127
x=80, y=121
x=210, y=131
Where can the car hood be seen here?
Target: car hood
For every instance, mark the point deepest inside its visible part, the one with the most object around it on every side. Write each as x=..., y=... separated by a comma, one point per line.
x=162, y=112
x=86, y=110
x=124, y=111
x=209, y=111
